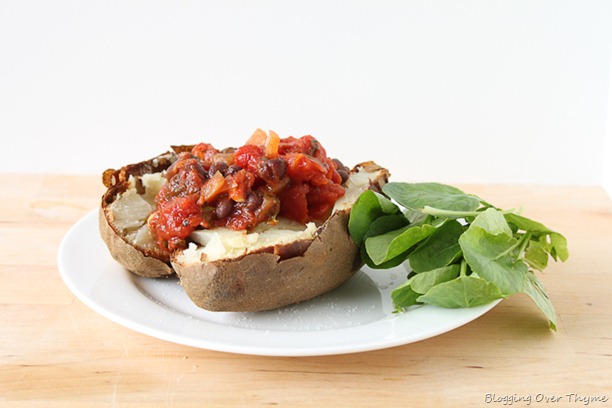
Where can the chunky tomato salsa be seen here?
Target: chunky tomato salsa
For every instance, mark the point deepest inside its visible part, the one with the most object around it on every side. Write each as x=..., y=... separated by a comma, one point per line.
x=239, y=188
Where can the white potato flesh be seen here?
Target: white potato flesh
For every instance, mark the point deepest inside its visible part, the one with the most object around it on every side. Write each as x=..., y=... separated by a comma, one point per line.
x=130, y=210
x=224, y=243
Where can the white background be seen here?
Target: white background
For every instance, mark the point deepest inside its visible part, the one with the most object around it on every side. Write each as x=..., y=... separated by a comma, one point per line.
x=452, y=91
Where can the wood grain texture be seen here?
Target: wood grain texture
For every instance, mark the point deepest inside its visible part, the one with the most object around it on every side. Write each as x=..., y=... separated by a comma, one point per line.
x=56, y=352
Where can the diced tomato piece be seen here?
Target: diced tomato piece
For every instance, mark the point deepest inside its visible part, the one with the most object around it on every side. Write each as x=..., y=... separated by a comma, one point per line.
x=240, y=221
x=305, y=144
x=289, y=145
x=248, y=156
x=176, y=220
x=302, y=167
x=293, y=202
x=321, y=200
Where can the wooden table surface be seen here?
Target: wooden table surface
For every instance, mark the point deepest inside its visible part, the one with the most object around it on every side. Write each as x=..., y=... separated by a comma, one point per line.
x=56, y=352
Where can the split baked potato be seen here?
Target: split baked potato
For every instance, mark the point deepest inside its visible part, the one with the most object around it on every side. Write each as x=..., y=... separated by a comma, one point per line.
x=236, y=260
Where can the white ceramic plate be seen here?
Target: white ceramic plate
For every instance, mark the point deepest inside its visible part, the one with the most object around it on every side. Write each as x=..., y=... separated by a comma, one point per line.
x=356, y=317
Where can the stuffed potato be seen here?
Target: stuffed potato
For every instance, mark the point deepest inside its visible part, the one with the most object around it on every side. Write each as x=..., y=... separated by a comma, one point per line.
x=245, y=229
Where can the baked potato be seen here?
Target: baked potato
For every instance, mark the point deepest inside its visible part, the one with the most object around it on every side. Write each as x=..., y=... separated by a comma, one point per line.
x=248, y=258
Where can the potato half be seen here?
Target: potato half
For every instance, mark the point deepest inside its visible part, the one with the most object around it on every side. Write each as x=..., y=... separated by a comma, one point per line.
x=268, y=276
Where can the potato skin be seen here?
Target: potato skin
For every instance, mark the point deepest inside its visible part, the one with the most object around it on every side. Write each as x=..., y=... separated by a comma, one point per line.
x=264, y=281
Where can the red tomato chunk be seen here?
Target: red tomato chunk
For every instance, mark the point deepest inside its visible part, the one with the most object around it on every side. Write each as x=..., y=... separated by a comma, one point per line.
x=240, y=188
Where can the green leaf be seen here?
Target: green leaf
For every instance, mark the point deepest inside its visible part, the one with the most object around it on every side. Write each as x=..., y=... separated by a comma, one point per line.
x=391, y=263
x=536, y=253
x=424, y=281
x=417, y=217
x=368, y=207
x=559, y=249
x=491, y=258
x=526, y=224
x=386, y=223
x=558, y=243
x=440, y=249
x=417, y=196
x=403, y=296
x=535, y=290
x=464, y=291
x=387, y=246
x=493, y=222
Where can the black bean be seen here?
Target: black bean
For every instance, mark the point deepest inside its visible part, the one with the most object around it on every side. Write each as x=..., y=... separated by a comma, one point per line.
x=272, y=170
x=233, y=169
x=253, y=200
x=224, y=207
x=219, y=166
x=340, y=165
x=342, y=170
x=344, y=175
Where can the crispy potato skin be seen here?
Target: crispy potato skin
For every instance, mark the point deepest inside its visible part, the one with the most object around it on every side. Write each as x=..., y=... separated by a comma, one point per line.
x=264, y=281
x=112, y=177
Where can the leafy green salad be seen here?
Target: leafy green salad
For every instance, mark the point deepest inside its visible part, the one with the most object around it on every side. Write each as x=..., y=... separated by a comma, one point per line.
x=462, y=251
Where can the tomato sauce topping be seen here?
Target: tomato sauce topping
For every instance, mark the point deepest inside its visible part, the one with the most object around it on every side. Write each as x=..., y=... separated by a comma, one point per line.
x=241, y=188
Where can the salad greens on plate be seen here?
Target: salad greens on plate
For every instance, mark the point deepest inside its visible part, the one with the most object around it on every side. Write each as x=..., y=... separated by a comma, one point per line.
x=462, y=251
